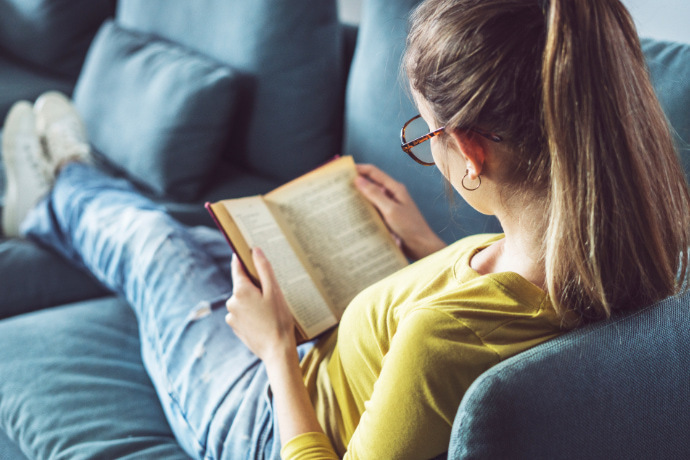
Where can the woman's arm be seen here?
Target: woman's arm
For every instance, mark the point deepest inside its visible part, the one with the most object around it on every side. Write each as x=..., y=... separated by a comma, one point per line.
x=399, y=211
x=294, y=410
x=262, y=320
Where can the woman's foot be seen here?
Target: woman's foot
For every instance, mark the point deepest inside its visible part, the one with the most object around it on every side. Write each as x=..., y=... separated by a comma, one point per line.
x=28, y=170
x=61, y=130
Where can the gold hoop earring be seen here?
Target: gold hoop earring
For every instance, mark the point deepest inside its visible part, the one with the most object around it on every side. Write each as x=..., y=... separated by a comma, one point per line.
x=467, y=172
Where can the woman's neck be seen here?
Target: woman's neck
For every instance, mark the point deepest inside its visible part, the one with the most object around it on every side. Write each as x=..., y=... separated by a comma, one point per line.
x=522, y=249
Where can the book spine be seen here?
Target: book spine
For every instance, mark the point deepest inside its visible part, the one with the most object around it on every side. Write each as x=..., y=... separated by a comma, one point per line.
x=209, y=208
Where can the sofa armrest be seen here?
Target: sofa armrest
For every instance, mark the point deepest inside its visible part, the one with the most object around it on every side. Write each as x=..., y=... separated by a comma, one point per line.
x=616, y=389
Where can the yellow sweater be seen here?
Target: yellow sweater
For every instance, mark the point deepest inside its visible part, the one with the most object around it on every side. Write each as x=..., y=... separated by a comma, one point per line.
x=388, y=382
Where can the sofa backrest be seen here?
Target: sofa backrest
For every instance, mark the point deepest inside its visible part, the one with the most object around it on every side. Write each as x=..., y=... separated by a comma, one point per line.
x=49, y=35
x=669, y=67
x=290, y=53
x=376, y=107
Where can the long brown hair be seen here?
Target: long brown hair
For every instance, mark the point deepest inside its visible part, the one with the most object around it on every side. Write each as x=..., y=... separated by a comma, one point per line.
x=565, y=83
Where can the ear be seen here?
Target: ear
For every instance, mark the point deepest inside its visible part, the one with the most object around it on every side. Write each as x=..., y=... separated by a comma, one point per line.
x=472, y=151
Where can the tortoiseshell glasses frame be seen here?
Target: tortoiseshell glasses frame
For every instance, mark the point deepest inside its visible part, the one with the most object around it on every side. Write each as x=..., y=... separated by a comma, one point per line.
x=408, y=146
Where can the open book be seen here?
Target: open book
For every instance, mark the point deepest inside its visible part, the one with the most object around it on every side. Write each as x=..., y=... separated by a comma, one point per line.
x=325, y=241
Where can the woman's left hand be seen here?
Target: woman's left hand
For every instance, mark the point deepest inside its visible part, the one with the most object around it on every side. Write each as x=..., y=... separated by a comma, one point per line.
x=260, y=316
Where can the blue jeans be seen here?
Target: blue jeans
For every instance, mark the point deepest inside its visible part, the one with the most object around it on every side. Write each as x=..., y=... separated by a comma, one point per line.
x=213, y=390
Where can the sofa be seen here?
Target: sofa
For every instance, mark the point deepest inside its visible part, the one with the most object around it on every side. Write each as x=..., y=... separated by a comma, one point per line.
x=198, y=101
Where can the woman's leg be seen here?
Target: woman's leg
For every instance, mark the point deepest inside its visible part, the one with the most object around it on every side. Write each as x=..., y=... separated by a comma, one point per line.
x=213, y=389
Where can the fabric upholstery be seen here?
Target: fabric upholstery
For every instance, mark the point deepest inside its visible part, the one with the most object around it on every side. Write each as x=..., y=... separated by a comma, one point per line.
x=618, y=389
x=34, y=278
x=74, y=386
x=378, y=103
x=21, y=82
x=51, y=34
x=290, y=53
x=156, y=110
x=669, y=66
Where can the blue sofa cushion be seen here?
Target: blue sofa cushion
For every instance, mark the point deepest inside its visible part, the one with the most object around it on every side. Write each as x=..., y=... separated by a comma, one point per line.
x=290, y=52
x=156, y=110
x=21, y=82
x=669, y=66
x=617, y=389
x=73, y=386
x=379, y=103
x=34, y=278
x=51, y=34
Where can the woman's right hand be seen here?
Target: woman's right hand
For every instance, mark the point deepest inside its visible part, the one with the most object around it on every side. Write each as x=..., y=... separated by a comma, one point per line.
x=399, y=212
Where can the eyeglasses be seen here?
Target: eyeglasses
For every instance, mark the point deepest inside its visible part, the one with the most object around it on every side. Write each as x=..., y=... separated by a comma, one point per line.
x=418, y=131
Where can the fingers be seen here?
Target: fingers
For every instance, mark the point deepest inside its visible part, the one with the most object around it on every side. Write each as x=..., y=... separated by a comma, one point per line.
x=242, y=286
x=238, y=274
x=242, y=289
x=265, y=270
x=375, y=194
x=375, y=175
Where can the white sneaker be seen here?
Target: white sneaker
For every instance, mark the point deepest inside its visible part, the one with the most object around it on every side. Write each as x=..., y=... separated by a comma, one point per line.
x=28, y=171
x=61, y=130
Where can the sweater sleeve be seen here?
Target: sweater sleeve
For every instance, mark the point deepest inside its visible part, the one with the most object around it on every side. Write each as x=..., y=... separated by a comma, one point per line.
x=308, y=446
x=432, y=361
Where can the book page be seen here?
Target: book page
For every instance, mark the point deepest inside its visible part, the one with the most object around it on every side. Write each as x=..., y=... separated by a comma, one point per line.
x=259, y=228
x=340, y=233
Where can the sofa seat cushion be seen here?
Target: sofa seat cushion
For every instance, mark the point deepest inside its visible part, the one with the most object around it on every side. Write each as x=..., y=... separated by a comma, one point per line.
x=51, y=34
x=291, y=53
x=34, y=278
x=156, y=110
x=73, y=385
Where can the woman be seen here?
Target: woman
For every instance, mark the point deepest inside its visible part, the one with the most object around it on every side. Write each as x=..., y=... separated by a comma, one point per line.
x=539, y=112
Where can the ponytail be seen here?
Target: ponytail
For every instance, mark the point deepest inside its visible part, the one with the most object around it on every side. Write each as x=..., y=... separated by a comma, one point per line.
x=565, y=83
x=618, y=198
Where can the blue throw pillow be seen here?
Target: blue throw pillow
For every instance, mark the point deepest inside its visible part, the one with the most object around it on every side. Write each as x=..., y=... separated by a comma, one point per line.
x=51, y=34
x=291, y=58
x=156, y=110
